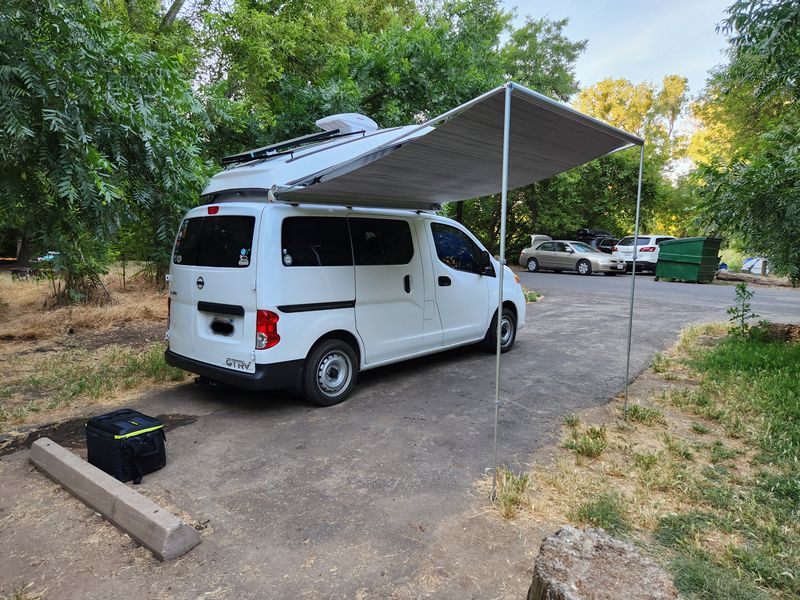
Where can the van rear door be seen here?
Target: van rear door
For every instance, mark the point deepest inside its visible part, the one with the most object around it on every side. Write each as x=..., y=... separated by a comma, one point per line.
x=213, y=287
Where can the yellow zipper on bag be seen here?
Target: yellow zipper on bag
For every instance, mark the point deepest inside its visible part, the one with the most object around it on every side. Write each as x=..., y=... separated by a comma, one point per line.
x=135, y=433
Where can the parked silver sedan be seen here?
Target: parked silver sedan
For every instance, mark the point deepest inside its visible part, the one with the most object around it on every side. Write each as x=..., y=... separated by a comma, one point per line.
x=566, y=255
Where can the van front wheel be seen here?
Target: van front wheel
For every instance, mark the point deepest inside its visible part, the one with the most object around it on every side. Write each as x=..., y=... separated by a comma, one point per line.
x=330, y=373
x=508, y=333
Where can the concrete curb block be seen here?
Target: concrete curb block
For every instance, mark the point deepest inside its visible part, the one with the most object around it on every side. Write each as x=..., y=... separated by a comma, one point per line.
x=145, y=521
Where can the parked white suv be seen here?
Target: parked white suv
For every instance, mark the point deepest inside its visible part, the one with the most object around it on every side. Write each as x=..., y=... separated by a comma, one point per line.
x=646, y=251
x=268, y=295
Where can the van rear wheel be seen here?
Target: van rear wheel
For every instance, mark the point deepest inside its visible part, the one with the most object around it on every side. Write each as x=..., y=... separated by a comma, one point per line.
x=330, y=372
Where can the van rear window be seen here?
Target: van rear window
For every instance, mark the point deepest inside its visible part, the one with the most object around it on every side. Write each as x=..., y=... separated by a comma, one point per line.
x=223, y=241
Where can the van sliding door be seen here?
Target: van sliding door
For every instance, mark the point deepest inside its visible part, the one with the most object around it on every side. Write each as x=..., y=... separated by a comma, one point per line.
x=389, y=287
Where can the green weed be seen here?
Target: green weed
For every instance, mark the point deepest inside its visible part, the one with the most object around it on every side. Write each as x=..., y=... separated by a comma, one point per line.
x=590, y=443
x=699, y=579
x=677, y=446
x=678, y=529
x=603, y=510
x=661, y=363
x=698, y=428
x=572, y=421
x=512, y=492
x=719, y=453
x=646, y=415
x=532, y=296
x=645, y=462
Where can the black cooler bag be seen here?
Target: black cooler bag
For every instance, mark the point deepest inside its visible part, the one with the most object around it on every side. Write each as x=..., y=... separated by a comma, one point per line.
x=126, y=444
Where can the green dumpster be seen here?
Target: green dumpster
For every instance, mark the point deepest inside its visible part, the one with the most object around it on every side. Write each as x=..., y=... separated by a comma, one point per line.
x=689, y=259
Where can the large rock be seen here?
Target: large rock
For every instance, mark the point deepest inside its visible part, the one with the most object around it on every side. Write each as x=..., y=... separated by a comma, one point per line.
x=576, y=564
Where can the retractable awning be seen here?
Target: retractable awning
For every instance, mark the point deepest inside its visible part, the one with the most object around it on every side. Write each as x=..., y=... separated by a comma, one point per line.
x=502, y=140
x=461, y=155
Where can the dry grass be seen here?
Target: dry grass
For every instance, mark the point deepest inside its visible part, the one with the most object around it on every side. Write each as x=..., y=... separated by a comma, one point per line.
x=54, y=359
x=26, y=311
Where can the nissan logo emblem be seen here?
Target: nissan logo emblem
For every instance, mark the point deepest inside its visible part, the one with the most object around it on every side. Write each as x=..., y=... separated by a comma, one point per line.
x=200, y=283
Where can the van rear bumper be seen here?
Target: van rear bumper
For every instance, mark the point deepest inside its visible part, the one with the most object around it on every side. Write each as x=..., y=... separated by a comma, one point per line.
x=276, y=376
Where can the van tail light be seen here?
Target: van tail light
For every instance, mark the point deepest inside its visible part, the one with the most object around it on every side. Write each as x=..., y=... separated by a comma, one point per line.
x=648, y=249
x=614, y=249
x=266, y=329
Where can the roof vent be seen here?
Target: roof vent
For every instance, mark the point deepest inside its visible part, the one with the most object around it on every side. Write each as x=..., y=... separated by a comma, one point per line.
x=347, y=123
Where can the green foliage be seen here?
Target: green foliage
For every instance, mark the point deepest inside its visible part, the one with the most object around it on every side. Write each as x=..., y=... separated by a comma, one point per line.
x=603, y=510
x=98, y=131
x=642, y=109
x=750, y=149
x=741, y=311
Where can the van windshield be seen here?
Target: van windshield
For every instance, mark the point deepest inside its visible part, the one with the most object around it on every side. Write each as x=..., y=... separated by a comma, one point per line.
x=224, y=241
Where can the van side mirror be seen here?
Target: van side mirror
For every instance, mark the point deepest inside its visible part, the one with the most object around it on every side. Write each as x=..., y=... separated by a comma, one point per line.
x=485, y=265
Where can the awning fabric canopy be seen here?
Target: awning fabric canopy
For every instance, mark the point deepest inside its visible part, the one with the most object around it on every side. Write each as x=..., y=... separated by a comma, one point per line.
x=461, y=156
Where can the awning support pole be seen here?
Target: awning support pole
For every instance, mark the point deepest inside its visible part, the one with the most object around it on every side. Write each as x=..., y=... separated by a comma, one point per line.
x=633, y=283
x=501, y=274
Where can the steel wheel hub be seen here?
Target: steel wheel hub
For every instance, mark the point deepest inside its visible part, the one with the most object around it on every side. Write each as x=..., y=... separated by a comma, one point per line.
x=334, y=373
x=506, y=331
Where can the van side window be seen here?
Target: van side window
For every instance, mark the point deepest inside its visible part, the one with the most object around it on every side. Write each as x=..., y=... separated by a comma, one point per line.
x=315, y=242
x=221, y=241
x=381, y=241
x=455, y=248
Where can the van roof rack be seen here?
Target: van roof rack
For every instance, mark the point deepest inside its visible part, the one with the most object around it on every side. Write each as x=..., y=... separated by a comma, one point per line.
x=284, y=147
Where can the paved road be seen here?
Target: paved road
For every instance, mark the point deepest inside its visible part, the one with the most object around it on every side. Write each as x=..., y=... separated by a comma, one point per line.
x=374, y=497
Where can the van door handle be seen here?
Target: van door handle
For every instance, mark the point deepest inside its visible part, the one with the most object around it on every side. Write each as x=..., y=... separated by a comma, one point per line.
x=407, y=283
x=444, y=281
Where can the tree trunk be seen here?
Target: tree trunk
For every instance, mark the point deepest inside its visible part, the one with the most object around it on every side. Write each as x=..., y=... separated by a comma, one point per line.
x=26, y=253
x=171, y=15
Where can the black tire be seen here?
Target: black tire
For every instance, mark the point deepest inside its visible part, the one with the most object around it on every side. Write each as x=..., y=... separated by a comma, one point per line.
x=533, y=265
x=489, y=342
x=609, y=274
x=584, y=267
x=330, y=372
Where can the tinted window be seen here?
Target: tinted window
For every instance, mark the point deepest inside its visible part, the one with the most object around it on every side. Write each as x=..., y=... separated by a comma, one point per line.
x=315, y=242
x=561, y=247
x=381, y=241
x=224, y=241
x=547, y=246
x=662, y=239
x=455, y=248
x=628, y=241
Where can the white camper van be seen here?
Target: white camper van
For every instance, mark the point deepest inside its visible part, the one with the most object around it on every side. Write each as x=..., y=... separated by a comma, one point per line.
x=266, y=294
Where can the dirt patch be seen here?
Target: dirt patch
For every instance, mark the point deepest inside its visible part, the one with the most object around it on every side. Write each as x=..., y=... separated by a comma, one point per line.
x=71, y=433
x=131, y=336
